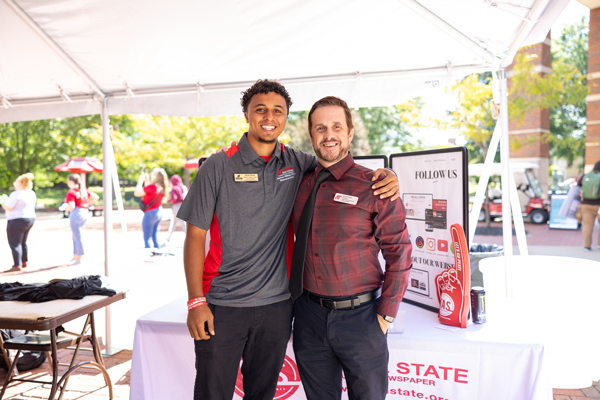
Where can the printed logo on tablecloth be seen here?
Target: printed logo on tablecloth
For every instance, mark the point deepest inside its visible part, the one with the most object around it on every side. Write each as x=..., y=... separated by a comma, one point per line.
x=444, y=373
x=289, y=380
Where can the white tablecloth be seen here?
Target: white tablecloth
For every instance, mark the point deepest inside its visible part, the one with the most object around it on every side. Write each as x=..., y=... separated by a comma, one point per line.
x=488, y=361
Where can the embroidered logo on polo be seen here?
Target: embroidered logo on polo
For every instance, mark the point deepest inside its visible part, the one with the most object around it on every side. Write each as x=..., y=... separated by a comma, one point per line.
x=285, y=174
x=287, y=383
x=345, y=198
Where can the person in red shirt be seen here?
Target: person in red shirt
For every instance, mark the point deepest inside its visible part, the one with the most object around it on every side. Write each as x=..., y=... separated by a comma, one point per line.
x=152, y=189
x=341, y=320
x=78, y=204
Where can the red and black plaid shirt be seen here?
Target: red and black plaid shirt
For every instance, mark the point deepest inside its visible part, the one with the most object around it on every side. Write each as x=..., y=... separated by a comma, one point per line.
x=344, y=239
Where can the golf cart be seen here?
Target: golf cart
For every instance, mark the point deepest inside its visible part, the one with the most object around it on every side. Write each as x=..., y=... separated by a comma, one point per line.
x=529, y=191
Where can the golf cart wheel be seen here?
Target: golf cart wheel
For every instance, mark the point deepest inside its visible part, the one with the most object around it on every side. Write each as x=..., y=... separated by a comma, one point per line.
x=539, y=216
x=481, y=216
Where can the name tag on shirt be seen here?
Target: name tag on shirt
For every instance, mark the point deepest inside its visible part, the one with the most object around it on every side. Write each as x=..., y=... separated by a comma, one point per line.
x=345, y=198
x=246, y=177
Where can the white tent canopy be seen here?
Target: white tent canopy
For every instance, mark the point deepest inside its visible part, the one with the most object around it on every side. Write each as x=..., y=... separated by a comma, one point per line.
x=193, y=57
x=65, y=58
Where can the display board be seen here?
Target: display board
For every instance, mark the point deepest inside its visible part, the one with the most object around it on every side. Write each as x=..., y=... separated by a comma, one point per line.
x=556, y=220
x=434, y=190
x=372, y=162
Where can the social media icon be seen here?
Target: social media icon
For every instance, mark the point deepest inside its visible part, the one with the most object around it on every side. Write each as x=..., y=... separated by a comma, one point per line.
x=430, y=244
x=419, y=242
x=442, y=245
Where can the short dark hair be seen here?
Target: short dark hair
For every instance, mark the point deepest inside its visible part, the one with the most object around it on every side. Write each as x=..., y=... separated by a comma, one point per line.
x=597, y=166
x=330, y=101
x=265, y=86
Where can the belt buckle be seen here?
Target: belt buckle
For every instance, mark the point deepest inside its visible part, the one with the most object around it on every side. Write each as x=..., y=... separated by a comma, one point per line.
x=321, y=302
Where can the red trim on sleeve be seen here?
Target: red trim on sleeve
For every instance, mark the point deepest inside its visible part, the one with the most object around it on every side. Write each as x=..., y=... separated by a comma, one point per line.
x=213, y=259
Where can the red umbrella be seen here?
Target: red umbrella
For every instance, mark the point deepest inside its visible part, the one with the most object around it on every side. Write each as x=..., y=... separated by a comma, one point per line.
x=81, y=165
x=191, y=164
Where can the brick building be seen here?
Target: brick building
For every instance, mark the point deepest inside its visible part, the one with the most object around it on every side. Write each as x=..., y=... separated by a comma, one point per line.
x=528, y=136
x=592, y=144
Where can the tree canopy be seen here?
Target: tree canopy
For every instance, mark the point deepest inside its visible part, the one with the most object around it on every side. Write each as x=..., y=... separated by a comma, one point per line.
x=39, y=146
x=563, y=92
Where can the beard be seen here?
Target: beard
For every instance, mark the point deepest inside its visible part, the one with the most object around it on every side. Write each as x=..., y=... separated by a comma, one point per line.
x=267, y=141
x=331, y=159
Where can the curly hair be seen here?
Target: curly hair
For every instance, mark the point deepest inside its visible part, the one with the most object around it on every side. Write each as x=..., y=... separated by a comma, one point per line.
x=265, y=86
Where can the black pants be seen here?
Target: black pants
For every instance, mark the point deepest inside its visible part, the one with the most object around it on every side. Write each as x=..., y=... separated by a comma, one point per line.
x=327, y=342
x=17, y=231
x=259, y=336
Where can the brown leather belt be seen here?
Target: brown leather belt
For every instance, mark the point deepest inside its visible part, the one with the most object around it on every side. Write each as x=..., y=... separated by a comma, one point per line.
x=342, y=303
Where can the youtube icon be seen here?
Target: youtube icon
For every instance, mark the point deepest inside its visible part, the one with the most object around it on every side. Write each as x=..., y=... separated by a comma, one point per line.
x=442, y=245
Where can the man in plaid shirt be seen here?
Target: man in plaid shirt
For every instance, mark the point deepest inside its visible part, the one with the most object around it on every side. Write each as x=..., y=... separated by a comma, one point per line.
x=341, y=321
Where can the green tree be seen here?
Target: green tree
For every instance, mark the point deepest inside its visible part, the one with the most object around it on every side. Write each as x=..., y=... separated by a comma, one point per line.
x=168, y=142
x=388, y=127
x=568, y=120
x=39, y=146
x=473, y=116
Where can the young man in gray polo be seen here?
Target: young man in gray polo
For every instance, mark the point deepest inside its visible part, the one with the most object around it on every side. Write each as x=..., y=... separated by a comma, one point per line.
x=240, y=305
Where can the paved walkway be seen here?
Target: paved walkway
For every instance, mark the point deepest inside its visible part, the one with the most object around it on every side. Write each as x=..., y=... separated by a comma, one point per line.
x=153, y=282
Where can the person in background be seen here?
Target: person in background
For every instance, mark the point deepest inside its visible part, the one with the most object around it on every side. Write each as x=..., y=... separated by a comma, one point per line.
x=152, y=189
x=178, y=193
x=589, y=213
x=20, y=216
x=78, y=204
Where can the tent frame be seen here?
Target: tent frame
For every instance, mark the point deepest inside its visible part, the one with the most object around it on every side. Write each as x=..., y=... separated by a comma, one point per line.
x=501, y=134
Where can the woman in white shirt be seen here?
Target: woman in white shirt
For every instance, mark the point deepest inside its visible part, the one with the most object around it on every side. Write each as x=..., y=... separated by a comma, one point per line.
x=20, y=216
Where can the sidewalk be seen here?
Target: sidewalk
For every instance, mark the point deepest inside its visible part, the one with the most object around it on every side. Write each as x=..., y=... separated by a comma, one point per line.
x=153, y=284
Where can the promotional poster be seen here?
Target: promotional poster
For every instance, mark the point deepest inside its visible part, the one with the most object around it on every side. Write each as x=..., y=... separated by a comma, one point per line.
x=433, y=188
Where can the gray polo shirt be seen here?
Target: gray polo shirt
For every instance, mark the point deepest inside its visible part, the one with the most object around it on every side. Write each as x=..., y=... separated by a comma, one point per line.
x=252, y=201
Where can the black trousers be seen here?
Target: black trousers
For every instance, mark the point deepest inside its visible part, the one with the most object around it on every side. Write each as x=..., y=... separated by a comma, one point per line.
x=259, y=336
x=327, y=342
x=17, y=231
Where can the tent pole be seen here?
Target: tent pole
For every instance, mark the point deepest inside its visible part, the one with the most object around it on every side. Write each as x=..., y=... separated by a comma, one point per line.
x=106, y=183
x=483, y=182
x=504, y=156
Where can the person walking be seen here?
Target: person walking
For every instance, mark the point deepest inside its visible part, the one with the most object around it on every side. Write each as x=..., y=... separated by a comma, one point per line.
x=78, y=204
x=152, y=189
x=590, y=203
x=20, y=216
x=178, y=193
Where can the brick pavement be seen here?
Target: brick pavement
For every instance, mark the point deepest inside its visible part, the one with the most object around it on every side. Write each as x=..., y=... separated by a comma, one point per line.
x=85, y=384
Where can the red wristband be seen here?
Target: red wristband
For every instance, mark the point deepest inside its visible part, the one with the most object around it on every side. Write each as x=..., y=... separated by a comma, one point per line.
x=197, y=302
